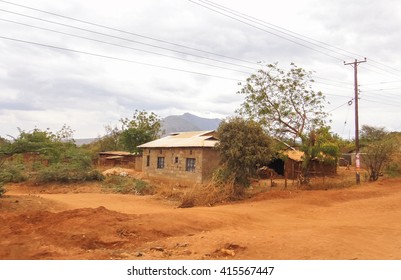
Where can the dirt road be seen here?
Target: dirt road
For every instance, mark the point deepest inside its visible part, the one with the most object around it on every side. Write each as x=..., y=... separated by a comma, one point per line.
x=355, y=223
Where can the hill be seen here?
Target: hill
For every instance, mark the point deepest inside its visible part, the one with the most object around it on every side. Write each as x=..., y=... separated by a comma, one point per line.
x=175, y=123
x=187, y=122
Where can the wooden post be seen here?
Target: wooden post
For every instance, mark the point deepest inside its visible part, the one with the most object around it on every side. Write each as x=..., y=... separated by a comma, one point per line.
x=285, y=180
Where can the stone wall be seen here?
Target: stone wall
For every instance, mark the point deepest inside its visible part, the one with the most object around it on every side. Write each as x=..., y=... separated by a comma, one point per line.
x=175, y=164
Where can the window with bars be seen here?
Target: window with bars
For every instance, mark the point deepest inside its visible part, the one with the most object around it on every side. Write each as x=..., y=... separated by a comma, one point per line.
x=160, y=162
x=190, y=164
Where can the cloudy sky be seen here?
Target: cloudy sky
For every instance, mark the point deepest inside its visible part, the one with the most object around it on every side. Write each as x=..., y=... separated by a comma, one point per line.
x=89, y=63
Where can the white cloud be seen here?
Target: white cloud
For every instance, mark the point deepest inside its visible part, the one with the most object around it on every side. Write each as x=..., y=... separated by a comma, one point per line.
x=46, y=87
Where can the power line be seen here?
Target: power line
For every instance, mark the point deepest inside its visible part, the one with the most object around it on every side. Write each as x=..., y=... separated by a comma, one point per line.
x=127, y=32
x=116, y=58
x=342, y=105
x=125, y=39
x=380, y=89
x=279, y=29
x=382, y=97
x=381, y=83
x=289, y=33
x=264, y=30
x=121, y=46
x=380, y=102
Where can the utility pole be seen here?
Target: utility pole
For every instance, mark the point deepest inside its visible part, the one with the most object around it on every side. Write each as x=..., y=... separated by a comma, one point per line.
x=356, y=98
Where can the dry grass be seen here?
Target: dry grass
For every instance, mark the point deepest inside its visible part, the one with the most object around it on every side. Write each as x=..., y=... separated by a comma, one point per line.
x=212, y=193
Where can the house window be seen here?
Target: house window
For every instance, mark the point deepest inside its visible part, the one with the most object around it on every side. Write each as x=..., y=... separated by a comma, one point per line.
x=176, y=160
x=160, y=162
x=148, y=161
x=190, y=165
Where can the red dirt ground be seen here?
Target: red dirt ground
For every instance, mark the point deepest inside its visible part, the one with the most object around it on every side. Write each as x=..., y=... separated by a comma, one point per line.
x=81, y=222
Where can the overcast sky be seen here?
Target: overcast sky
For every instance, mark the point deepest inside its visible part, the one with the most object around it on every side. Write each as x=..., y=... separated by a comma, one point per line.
x=177, y=56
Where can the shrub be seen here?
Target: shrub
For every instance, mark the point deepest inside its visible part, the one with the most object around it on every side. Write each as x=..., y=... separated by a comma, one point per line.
x=128, y=185
x=220, y=189
x=12, y=173
x=67, y=173
x=393, y=169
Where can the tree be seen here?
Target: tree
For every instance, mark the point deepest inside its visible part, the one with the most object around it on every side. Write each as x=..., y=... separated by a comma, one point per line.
x=284, y=103
x=242, y=145
x=141, y=128
x=108, y=142
x=378, y=147
x=287, y=107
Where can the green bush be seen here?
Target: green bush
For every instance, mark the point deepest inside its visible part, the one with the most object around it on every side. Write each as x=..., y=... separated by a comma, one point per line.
x=127, y=185
x=12, y=173
x=68, y=173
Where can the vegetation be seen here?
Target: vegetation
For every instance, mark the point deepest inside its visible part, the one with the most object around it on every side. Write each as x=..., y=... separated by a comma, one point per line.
x=288, y=108
x=45, y=157
x=284, y=103
x=320, y=146
x=127, y=185
x=141, y=128
x=243, y=145
x=378, y=150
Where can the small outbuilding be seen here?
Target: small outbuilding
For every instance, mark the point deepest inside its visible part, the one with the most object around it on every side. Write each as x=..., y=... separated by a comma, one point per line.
x=120, y=158
x=292, y=164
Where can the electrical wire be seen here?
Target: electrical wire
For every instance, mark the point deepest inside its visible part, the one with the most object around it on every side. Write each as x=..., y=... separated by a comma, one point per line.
x=121, y=38
x=125, y=39
x=127, y=32
x=282, y=30
x=121, y=46
x=342, y=105
x=115, y=58
x=289, y=33
x=267, y=31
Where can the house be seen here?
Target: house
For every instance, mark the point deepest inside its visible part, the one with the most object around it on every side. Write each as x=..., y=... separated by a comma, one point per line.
x=120, y=158
x=183, y=157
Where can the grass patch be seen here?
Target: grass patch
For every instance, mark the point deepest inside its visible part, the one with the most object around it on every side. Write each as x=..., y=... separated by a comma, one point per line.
x=127, y=185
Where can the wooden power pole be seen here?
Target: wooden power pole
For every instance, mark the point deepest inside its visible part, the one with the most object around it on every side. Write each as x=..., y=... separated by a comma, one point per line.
x=356, y=99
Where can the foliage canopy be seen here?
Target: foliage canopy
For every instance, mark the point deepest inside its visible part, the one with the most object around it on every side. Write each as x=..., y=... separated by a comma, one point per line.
x=284, y=103
x=141, y=128
x=243, y=145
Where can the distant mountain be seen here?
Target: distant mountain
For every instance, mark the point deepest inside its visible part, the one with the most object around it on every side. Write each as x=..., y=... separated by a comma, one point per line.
x=187, y=122
x=175, y=123
x=84, y=141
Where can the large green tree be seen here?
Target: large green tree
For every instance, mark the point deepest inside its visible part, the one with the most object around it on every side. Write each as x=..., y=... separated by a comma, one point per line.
x=288, y=108
x=141, y=128
x=284, y=102
x=243, y=145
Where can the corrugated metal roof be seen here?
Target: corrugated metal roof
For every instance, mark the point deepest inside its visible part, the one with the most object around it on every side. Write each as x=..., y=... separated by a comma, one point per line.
x=116, y=153
x=184, y=139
